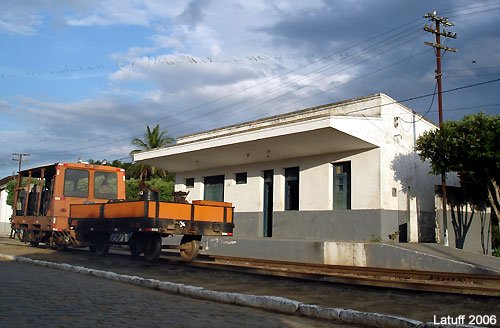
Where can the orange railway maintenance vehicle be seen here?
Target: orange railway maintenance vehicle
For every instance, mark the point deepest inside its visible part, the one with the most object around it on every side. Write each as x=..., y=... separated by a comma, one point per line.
x=83, y=205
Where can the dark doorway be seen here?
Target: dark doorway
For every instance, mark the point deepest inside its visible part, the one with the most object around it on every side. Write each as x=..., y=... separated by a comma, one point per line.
x=342, y=186
x=214, y=188
x=268, y=203
x=403, y=214
x=403, y=233
x=292, y=189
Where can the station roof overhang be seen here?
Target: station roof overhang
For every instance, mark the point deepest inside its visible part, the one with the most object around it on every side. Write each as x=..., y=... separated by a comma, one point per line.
x=301, y=139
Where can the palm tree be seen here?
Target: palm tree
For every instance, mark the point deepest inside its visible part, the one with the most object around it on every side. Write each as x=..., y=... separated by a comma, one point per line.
x=152, y=139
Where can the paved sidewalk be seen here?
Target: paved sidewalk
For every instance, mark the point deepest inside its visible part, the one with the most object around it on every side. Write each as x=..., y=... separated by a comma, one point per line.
x=32, y=296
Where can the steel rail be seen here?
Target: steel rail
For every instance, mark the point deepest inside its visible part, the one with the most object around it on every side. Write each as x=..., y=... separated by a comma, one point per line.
x=426, y=281
x=431, y=281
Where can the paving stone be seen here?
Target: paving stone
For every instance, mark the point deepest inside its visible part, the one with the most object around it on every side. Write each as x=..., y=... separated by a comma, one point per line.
x=68, y=299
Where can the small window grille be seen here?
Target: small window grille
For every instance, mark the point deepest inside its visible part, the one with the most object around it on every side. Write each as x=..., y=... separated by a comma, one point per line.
x=190, y=183
x=241, y=178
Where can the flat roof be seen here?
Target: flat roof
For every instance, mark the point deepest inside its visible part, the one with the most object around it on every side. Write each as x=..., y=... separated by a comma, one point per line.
x=290, y=135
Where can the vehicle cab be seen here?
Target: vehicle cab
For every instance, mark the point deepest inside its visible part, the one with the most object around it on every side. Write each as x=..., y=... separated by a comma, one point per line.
x=43, y=196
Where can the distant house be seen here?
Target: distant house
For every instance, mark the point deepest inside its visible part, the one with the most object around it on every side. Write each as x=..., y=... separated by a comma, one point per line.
x=5, y=210
x=344, y=171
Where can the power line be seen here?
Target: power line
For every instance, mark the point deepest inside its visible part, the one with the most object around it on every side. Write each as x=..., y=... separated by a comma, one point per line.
x=467, y=107
x=470, y=69
x=427, y=95
x=248, y=88
x=428, y=109
x=276, y=77
x=359, y=54
x=410, y=98
x=474, y=6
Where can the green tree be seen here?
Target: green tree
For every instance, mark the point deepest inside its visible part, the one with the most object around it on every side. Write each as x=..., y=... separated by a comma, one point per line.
x=165, y=188
x=132, y=189
x=153, y=139
x=469, y=147
x=11, y=185
x=114, y=163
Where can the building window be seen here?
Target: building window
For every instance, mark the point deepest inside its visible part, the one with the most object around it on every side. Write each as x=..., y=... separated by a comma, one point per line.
x=241, y=178
x=214, y=188
x=342, y=185
x=292, y=188
x=189, y=183
x=76, y=183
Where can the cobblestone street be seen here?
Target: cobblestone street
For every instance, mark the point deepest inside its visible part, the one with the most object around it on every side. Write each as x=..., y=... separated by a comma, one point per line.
x=65, y=297
x=32, y=296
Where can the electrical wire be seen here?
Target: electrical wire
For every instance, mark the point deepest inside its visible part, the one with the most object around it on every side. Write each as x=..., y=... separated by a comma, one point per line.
x=281, y=75
x=428, y=109
x=428, y=95
x=360, y=53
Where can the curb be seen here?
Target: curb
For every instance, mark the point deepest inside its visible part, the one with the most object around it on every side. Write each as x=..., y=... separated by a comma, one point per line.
x=269, y=303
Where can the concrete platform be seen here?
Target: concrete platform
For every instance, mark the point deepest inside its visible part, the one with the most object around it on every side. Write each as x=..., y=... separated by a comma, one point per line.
x=412, y=256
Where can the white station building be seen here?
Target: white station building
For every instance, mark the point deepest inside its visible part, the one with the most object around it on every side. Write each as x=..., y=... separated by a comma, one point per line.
x=345, y=171
x=5, y=210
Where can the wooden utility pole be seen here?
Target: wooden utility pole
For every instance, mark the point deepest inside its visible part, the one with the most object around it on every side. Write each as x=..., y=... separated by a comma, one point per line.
x=436, y=30
x=19, y=158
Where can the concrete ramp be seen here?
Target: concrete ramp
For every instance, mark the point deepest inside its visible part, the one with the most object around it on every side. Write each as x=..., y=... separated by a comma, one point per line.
x=411, y=256
x=431, y=257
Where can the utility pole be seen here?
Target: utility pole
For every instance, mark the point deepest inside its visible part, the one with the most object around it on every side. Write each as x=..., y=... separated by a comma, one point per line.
x=19, y=158
x=436, y=30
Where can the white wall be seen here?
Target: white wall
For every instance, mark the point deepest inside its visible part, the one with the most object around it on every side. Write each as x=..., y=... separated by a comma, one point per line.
x=315, y=188
x=379, y=177
x=5, y=212
x=404, y=167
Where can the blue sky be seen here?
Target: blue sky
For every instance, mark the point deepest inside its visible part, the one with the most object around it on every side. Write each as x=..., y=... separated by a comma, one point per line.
x=82, y=78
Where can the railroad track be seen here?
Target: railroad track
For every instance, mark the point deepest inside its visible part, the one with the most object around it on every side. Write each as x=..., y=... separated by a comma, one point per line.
x=443, y=282
x=430, y=281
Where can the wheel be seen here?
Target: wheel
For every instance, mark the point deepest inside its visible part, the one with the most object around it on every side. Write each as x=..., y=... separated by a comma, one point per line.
x=23, y=236
x=62, y=247
x=101, y=244
x=189, y=248
x=136, y=244
x=34, y=243
x=152, y=248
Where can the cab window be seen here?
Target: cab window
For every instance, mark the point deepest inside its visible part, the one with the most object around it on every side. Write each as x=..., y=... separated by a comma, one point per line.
x=76, y=183
x=105, y=185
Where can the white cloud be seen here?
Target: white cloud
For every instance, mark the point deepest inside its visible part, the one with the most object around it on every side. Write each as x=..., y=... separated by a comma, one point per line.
x=132, y=53
x=127, y=74
x=124, y=12
x=207, y=64
x=13, y=23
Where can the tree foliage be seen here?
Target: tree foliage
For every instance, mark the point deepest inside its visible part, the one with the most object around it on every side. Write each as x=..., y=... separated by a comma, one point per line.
x=163, y=184
x=153, y=139
x=114, y=163
x=471, y=148
x=165, y=188
x=11, y=185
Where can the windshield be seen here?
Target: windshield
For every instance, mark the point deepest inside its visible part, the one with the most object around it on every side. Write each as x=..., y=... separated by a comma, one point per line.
x=76, y=183
x=105, y=185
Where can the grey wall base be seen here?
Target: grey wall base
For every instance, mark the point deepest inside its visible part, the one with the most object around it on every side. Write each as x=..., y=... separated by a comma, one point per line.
x=384, y=255
x=265, y=248
x=4, y=228
x=346, y=225
x=472, y=240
